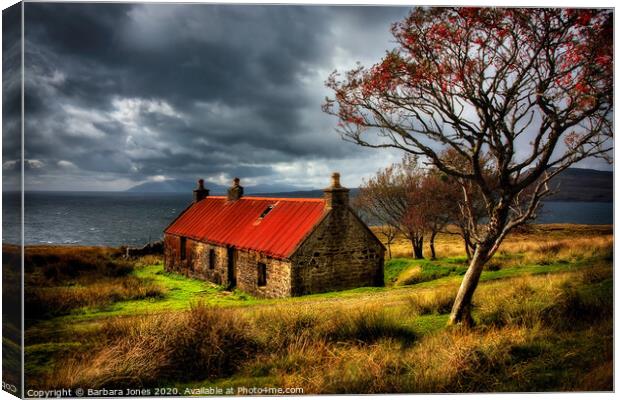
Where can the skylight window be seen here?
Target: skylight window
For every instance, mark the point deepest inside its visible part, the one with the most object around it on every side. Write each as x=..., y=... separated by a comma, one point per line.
x=267, y=210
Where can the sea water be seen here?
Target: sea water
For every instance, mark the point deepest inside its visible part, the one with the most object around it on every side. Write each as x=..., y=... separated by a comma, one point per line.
x=123, y=218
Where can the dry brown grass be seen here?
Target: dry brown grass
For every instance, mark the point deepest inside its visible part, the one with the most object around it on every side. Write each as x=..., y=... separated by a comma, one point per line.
x=450, y=361
x=526, y=323
x=205, y=342
x=209, y=342
x=150, y=259
x=433, y=301
x=58, y=300
x=539, y=244
x=360, y=324
x=557, y=300
x=53, y=265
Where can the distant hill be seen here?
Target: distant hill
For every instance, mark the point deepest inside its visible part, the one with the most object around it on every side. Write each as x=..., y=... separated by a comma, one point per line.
x=577, y=184
x=574, y=184
x=186, y=186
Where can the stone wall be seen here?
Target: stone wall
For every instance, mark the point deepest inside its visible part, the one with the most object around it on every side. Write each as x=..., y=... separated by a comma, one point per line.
x=171, y=253
x=196, y=265
x=200, y=266
x=341, y=253
x=278, y=275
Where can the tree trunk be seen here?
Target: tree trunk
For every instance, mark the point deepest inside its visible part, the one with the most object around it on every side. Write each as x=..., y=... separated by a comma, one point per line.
x=389, y=249
x=461, y=310
x=467, y=246
x=432, y=245
x=467, y=252
x=483, y=251
x=418, y=250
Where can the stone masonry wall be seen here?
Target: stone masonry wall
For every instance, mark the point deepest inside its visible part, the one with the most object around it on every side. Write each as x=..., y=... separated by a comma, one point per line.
x=200, y=267
x=196, y=265
x=340, y=254
x=278, y=275
x=171, y=253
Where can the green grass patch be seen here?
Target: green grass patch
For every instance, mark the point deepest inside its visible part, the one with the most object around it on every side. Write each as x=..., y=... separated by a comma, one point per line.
x=181, y=293
x=534, y=269
x=394, y=267
x=404, y=272
x=428, y=324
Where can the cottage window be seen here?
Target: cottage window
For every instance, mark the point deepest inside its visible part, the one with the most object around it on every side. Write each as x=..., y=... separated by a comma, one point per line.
x=183, y=248
x=262, y=274
x=212, y=259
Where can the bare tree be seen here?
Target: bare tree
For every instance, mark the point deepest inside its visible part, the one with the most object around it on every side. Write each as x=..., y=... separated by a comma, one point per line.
x=531, y=89
x=386, y=198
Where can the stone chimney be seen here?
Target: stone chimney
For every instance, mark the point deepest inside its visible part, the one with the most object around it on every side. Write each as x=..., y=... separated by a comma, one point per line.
x=200, y=192
x=336, y=196
x=235, y=192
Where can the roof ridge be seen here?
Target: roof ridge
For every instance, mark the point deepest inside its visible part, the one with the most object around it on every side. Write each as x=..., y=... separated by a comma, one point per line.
x=314, y=199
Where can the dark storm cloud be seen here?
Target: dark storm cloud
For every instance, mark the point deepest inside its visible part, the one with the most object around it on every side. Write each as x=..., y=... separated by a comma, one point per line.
x=137, y=91
x=11, y=98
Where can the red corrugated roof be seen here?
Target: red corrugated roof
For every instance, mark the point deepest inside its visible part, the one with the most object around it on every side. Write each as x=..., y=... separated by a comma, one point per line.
x=238, y=223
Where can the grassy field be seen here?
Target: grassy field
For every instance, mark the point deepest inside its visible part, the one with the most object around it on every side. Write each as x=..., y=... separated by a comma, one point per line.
x=543, y=311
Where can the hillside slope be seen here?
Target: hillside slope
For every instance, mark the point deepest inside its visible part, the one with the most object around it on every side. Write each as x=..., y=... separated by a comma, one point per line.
x=574, y=184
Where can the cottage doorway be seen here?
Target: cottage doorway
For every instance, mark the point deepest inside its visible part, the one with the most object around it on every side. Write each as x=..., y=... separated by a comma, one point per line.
x=232, y=277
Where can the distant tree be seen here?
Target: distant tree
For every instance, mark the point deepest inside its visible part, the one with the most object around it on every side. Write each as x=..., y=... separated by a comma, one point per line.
x=390, y=234
x=434, y=201
x=529, y=89
x=386, y=198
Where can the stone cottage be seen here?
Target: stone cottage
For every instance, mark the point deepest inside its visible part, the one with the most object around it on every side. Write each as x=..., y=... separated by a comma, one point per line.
x=274, y=247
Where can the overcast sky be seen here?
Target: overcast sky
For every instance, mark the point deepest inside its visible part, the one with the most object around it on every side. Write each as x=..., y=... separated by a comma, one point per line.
x=119, y=94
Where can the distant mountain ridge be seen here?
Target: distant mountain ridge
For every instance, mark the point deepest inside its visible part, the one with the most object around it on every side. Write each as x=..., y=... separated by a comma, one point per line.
x=574, y=184
x=216, y=189
x=580, y=184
